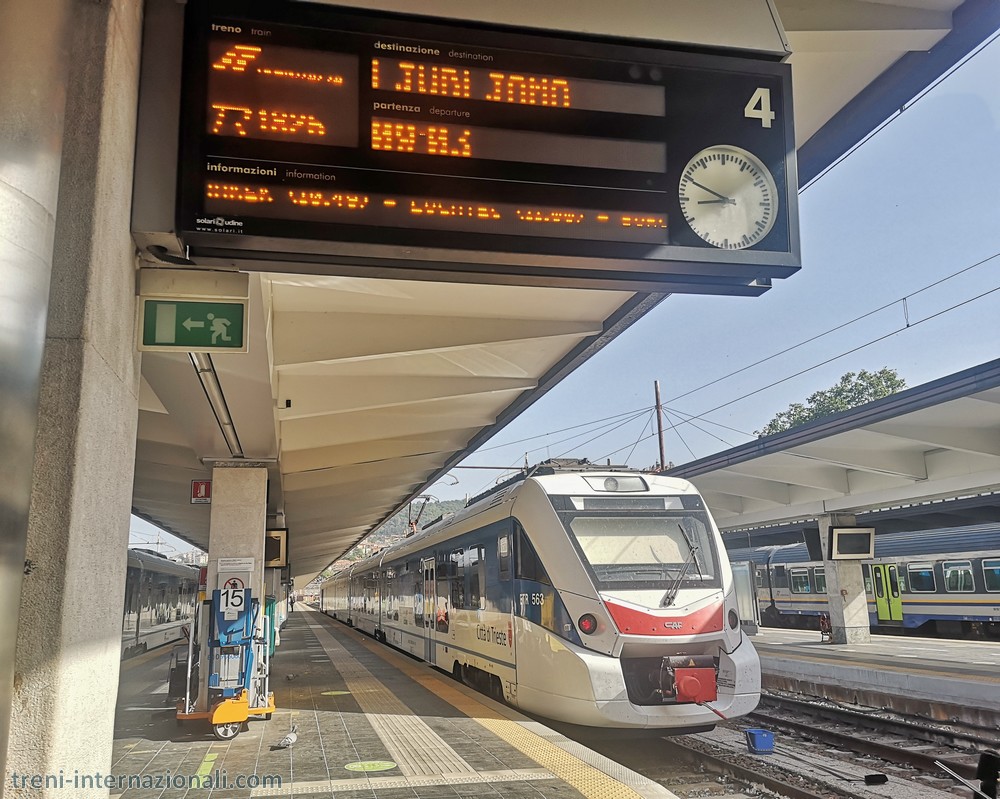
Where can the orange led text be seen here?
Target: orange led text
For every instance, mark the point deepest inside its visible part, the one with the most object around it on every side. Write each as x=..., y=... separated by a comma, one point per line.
x=234, y=120
x=321, y=199
x=427, y=79
x=408, y=137
x=558, y=217
x=529, y=90
x=243, y=194
x=237, y=59
x=437, y=208
x=643, y=221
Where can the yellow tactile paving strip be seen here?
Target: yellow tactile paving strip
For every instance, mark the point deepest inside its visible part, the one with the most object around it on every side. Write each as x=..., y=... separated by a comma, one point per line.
x=585, y=778
x=415, y=747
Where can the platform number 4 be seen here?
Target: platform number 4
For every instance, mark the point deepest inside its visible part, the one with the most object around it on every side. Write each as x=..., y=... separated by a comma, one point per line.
x=759, y=107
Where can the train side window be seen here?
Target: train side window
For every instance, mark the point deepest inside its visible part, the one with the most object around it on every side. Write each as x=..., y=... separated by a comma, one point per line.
x=503, y=556
x=819, y=580
x=529, y=567
x=921, y=578
x=458, y=579
x=894, y=582
x=879, y=584
x=991, y=573
x=475, y=562
x=958, y=575
x=780, y=577
x=800, y=581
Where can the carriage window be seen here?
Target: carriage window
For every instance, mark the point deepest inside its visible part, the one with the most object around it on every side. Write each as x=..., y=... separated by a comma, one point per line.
x=958, y=575
x=819, y=580
x=458, y=578
x=921, y=577
x=780, y=577
x=800, y=581
x=475, y=562
x=503, y=555
x=529, y=567
x=894, y=582
x=991, y=572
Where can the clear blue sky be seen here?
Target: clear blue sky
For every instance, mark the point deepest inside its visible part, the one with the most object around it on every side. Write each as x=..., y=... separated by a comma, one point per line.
x=916, y=203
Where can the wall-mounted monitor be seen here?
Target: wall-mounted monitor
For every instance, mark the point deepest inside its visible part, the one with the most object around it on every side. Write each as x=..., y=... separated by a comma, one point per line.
x=276, y=549
x=851, y=543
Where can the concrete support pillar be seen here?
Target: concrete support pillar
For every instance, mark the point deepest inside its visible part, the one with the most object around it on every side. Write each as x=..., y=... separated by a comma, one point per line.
x=236, y=530
x=68, y=643
x=845, y=587
x=33, y=63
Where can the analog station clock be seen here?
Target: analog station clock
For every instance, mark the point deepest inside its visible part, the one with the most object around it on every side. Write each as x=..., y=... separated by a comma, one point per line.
x=728, y=197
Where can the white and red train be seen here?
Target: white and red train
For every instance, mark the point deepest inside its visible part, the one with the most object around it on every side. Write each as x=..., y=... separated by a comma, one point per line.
x=590, y=595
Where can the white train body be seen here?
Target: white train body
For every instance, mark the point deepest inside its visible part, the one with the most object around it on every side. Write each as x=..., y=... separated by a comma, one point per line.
x=572, y=595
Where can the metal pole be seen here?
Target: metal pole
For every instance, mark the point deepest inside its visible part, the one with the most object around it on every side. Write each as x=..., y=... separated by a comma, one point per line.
x=192, y=632
x=659, y=425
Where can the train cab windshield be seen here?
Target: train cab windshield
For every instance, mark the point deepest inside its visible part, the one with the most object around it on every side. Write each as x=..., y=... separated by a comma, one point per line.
x=648, y=542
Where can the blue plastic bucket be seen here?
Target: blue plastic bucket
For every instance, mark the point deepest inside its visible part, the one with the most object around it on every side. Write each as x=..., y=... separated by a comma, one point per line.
x=760, y=742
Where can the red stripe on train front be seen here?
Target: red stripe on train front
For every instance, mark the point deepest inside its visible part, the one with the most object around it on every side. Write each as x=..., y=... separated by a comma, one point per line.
x=633, y=621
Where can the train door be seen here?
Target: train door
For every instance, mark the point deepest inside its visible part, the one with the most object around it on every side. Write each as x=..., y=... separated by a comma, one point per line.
x=745, y=583
x=885, y=584
x=430, y=603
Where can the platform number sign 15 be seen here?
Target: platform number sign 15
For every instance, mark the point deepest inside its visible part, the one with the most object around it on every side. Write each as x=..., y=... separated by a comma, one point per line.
x=232, y=602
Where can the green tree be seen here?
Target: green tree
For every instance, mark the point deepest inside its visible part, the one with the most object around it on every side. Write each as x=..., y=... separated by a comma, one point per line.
x=852, y=390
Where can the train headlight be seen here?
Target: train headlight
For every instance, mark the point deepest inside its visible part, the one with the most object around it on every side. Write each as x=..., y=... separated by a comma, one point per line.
x=734, y=619
x=587, y=624
x=610, y=484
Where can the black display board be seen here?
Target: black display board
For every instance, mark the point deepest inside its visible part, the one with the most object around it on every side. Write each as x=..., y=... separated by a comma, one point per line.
x=315, y=134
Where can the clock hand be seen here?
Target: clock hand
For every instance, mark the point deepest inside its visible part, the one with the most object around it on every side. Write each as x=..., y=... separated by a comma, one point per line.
x=726, y=200
x=722, y=197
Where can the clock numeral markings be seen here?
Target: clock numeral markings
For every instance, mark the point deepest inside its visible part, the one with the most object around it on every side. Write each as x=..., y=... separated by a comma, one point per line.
x=728, y=198
x=759, y=107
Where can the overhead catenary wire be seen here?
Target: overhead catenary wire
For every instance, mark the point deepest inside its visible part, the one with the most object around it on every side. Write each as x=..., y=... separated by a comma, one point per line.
x=847, y=352
x=841, y=326
x=701, y=416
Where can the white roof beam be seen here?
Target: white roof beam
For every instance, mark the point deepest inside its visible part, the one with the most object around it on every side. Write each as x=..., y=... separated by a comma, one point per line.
x=310, y=337
x=319, y=396
x=909, y=465
x=354, y=427
x=747, y=487
x=975, y=440
x=444, y=444
x=791, y=470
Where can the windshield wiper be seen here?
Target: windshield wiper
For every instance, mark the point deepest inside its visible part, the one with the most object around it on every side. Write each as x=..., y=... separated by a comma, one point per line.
x=671, y=595
x=691, y=546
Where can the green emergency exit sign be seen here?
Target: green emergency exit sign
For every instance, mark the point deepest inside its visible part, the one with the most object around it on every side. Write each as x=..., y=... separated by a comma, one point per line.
x=193, y=326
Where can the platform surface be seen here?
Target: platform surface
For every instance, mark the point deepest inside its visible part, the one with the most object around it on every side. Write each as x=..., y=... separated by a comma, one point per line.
x=934, y=677
x=371, y=723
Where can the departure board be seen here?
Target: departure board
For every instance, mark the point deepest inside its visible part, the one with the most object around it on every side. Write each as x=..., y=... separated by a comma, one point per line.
x=315, y=130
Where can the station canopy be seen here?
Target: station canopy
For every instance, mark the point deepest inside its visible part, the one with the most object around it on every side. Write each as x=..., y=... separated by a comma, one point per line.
x=358, y=393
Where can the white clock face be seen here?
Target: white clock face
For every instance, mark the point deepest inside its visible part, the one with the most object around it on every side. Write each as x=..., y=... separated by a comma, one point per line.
x=728, y=197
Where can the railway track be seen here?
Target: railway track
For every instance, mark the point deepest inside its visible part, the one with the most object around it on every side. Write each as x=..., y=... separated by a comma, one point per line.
x=822, y=751
x=893, y=739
